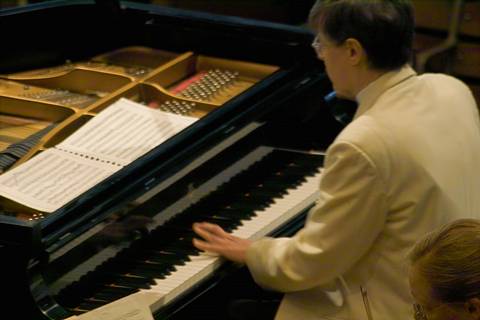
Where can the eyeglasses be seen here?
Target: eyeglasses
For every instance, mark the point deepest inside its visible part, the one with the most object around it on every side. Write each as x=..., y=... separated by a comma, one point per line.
x=316, y=44
x=419, y=312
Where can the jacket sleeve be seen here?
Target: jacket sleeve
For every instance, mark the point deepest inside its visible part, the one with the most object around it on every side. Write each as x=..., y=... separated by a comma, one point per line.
x=347, y=218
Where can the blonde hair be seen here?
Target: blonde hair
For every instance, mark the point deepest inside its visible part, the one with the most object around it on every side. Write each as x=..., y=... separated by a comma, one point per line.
x=449, y=260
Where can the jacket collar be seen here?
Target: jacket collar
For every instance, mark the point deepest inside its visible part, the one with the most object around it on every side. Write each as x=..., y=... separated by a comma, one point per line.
x=369, y=95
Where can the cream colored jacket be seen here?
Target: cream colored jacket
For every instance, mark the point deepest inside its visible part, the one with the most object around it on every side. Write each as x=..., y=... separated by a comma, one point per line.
x=408, y=163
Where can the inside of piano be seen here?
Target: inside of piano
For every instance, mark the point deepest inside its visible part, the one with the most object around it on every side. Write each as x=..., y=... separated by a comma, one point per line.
x=41, y=108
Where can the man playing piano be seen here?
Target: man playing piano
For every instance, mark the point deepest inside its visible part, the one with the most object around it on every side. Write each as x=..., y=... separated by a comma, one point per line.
x=406, y=164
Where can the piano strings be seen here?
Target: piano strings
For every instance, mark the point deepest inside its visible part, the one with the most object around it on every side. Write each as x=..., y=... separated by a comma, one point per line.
x=54, y=95
x=212, y=85
x=184, y=108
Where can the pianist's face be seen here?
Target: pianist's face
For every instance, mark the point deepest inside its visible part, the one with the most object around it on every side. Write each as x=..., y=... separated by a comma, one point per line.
x=336, y=58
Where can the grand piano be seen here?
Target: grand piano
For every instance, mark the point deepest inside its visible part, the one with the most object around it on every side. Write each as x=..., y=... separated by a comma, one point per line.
x=251, y=162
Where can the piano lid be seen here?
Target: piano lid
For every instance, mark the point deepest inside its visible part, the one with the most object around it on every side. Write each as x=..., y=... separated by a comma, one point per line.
x=153, y=55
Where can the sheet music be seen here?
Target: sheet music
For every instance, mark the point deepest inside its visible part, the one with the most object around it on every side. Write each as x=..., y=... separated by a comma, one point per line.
x=129, y=308
x=124, y=131
x=53, y=179
x=112, y=139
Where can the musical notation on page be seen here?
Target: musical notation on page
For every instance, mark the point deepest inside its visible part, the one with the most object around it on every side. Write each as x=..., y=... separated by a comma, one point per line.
x=133, y=307
x=111, y=140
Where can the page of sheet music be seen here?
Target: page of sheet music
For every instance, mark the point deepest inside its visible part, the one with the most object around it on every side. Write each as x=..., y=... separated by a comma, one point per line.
x=112, y=139
x=132, y=307
x=124, y=131
x=53, y=179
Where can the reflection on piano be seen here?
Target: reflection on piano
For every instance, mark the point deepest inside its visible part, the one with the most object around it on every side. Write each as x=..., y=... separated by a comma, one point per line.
x=251, y=163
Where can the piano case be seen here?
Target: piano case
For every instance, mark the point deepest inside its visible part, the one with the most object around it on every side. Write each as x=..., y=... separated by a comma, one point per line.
x=258, y=91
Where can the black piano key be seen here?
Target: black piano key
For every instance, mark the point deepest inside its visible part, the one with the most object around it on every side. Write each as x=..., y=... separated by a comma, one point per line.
x=167, y=261
x=141, y=268
x=119, y=272
x=91, y=304
x=94, y=300
x=186, y=249
x=160, y=269
x=175, y=227
x=164, y=244
x=111, y=293
x=147, y=273
x=274, y=187
x=132, y=282
x=77, y=311
x=238, y=213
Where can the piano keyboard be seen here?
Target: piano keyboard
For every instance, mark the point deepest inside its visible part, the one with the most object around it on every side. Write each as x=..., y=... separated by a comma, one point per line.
x=164, y=264
x=202, y=266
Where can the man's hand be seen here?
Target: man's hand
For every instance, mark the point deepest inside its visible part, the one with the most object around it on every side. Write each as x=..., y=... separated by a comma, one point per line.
x=216, y=240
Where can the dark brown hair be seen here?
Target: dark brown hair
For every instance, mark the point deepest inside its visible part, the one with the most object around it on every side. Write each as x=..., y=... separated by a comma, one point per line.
x=385, y=28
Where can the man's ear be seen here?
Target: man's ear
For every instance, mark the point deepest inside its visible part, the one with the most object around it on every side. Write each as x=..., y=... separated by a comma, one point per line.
x=473, y=308
x=356, y=53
